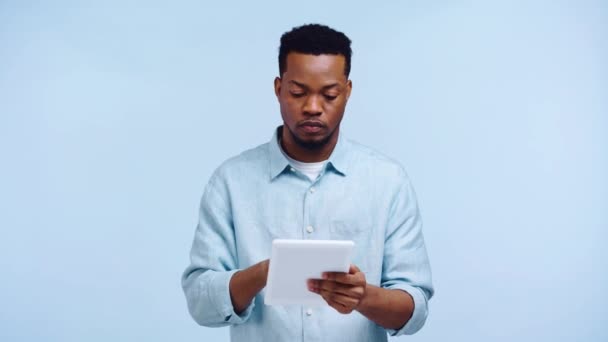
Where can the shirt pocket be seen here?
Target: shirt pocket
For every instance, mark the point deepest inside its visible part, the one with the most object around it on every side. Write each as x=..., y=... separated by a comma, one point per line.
x=361, y=234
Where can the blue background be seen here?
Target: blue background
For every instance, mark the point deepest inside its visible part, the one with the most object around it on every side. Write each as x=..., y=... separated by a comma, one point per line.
x=113, y=115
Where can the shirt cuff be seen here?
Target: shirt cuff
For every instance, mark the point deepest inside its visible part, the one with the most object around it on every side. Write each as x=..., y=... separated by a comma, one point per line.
x=219, y=295
x=420, y=310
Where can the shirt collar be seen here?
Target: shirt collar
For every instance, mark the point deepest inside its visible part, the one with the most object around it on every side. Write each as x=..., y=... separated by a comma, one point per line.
x=278, y=163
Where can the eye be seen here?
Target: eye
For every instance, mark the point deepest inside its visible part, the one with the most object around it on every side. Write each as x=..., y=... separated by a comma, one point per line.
x=296, y=94
x=330, y=97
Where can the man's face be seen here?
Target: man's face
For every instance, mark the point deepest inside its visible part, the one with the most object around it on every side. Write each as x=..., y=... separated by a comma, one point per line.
x=312, y=93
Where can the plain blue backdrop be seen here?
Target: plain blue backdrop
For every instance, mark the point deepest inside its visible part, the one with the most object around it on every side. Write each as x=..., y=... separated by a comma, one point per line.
x=113, y=114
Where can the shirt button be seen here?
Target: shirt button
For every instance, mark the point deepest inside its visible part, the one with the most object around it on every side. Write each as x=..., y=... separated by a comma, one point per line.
x=312, y=190
x=308, y=312
x=292, y=169
x=310, y=229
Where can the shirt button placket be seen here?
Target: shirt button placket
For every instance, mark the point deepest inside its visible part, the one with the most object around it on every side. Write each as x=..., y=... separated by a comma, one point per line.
x=307, y=205
x=309, y=320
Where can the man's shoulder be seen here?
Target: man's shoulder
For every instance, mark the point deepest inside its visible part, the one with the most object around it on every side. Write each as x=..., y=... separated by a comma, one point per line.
x=368, y=157
x=246, y=163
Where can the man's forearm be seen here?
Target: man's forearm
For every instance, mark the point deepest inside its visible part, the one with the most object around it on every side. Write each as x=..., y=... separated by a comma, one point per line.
x=245, y=284
x=386, y=307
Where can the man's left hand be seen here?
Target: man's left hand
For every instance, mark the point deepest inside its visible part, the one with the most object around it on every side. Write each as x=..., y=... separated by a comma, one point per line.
x=342, y=291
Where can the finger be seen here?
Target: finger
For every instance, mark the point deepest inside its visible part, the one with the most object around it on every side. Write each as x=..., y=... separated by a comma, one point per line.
x=346, y=301
x=341, y=277
x=354, y=291
x=338, y=307
x=346, y=278
x=353, y=269
x=331, y=286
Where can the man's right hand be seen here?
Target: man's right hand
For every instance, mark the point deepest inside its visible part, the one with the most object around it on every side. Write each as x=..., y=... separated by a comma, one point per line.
x=245, y=284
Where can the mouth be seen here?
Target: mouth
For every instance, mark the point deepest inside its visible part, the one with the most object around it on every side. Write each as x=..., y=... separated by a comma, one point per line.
x=311, y=127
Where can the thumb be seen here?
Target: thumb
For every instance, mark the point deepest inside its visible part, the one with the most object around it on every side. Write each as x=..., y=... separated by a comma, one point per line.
x=353, y=269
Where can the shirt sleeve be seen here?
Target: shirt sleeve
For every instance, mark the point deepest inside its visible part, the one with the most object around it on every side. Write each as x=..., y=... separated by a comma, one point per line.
x=406, y=265
x=212, y=263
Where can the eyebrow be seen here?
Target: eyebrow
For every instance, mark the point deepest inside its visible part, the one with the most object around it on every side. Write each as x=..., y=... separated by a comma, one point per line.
x=302, y=85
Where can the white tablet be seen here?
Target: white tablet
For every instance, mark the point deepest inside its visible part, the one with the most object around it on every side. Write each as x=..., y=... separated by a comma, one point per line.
x=293, y=262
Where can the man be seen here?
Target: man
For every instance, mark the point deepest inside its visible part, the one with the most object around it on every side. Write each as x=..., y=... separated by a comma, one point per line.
x=309, y=182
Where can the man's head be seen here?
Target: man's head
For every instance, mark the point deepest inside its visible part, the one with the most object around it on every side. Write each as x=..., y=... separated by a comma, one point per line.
x=313, y=87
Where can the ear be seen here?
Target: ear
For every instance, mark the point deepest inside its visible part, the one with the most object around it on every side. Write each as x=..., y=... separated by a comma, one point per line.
x=277, y=86
x=349, y=87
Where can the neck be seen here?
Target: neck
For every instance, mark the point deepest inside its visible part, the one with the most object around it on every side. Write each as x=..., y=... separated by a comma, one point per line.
x=307, y=155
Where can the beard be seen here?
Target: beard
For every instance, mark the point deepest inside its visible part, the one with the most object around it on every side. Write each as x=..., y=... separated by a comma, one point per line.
x=311, y=145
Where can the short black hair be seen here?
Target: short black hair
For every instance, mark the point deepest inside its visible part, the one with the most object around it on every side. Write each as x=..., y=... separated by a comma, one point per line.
x=314, y=39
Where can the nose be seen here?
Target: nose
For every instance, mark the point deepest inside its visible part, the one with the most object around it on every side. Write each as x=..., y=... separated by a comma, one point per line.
x=313, y=106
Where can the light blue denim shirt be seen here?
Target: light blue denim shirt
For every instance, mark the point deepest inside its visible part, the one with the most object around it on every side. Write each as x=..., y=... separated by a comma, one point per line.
x=257, y=196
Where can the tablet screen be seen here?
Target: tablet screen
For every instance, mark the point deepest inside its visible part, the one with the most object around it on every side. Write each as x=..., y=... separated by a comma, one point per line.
x=293, y=262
